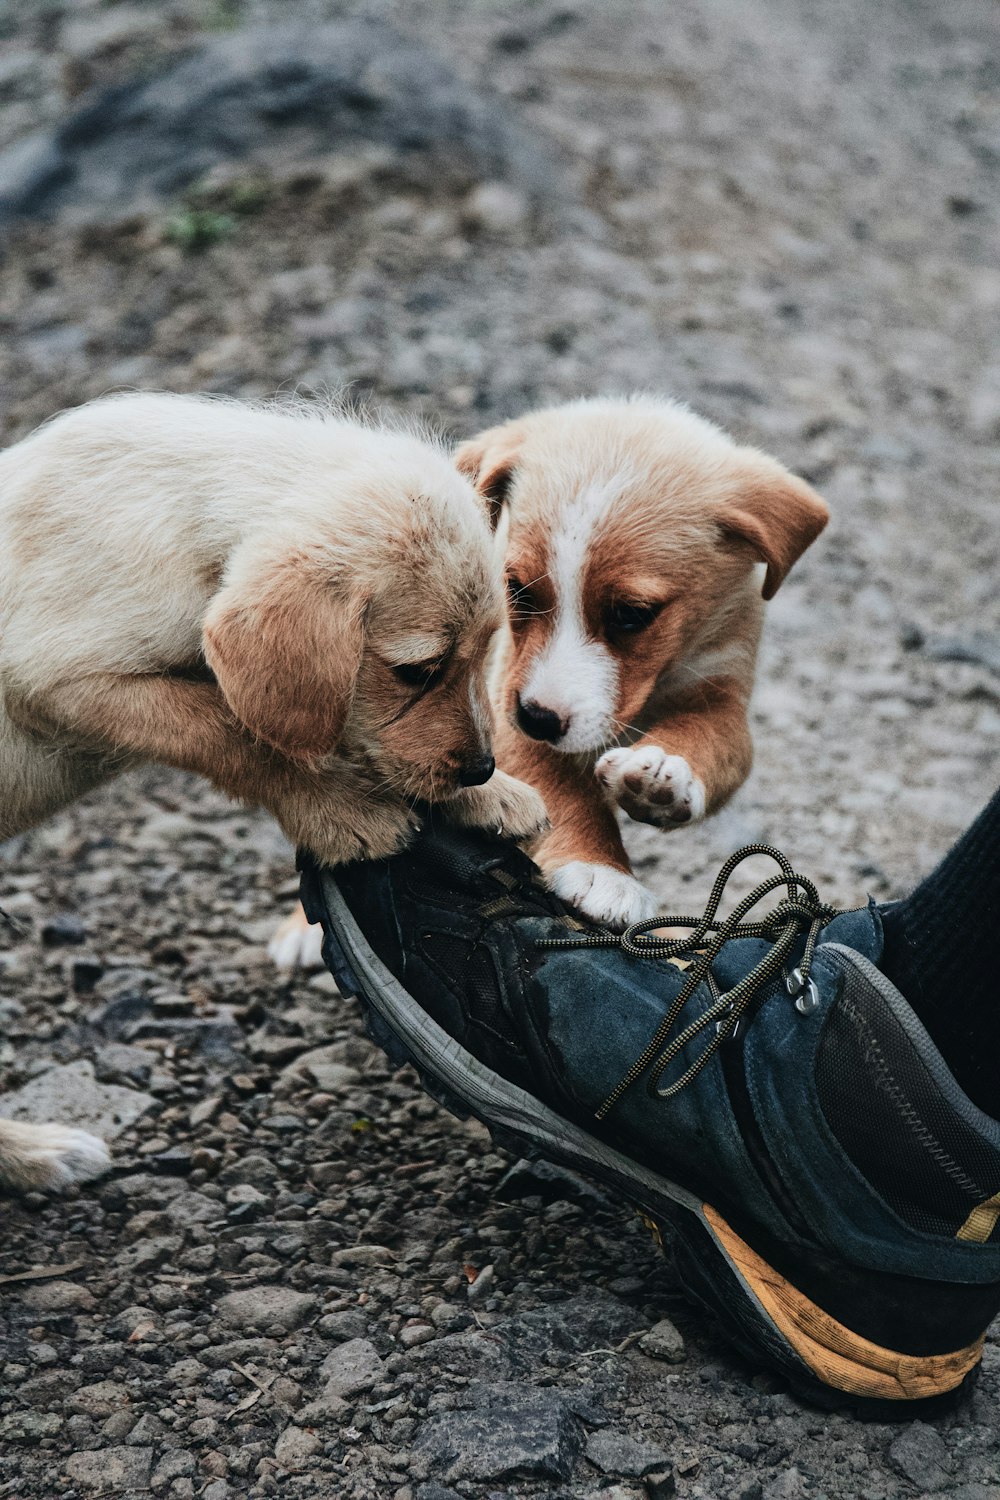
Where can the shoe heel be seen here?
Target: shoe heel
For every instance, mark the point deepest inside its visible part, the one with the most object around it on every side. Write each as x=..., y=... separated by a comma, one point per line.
x=826, y=1362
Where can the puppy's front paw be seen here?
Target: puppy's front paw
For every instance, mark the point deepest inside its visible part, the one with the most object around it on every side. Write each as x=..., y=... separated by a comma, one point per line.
x=651, y=786
x=296, y=944
x=504, y=805
x=45, y=1158
x=602, y=893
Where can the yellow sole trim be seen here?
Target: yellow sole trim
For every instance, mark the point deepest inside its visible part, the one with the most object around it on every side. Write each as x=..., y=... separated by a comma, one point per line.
x=836, y=1355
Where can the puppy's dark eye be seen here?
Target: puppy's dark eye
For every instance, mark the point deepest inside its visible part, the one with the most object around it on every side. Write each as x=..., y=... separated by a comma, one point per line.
x=522, y=603
x=628, y=618
x=420, y=674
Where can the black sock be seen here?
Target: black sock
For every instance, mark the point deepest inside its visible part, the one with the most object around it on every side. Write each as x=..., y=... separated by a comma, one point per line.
x=942, y=951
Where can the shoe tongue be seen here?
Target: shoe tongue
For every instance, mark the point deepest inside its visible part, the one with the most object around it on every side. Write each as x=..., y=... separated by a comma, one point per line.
x=860, y=929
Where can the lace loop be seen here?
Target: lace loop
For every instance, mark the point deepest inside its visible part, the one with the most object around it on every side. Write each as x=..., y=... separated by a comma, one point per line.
x=800, y=910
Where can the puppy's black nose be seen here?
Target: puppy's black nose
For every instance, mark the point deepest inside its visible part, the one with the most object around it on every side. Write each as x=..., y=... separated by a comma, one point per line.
x=540, y=723
x=475, y=772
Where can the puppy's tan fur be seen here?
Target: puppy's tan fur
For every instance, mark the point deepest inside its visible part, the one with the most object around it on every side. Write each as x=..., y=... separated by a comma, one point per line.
x=623, y=503
x=240, y=592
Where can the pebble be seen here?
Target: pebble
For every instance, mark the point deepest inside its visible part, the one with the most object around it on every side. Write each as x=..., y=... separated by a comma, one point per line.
x=351, y=1368
x=509, y=1431
x=619, y=1453
x=920, y=1455
x=272, y=1309
x=177, y=1463
x=57, y=1296
x=98, y=1400
x=664, y=1341
x=495, y=208
x=72, y=1094
x=63, y=928
x=341, y=1326
x=295, y=1447
x=413, y=1334
x=484, y=1285
x=111, y=1470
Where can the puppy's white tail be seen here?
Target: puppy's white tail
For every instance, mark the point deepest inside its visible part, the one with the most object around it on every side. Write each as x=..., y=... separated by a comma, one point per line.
x=48, y=1157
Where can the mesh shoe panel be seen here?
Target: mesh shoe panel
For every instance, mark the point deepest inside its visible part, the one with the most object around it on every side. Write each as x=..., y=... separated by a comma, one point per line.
x=469, y=967
x=891, y=1119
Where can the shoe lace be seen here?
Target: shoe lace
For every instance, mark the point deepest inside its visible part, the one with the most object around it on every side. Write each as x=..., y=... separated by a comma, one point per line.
x=800, y=911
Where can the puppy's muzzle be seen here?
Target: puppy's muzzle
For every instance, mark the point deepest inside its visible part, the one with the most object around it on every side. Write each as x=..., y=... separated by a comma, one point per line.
x=475, y=772
x=540, y=723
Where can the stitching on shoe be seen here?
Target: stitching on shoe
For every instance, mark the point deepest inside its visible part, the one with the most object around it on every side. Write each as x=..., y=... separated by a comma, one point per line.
x=894, y=1091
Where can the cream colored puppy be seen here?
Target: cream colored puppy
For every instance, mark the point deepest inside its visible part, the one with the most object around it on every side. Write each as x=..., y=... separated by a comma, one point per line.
x=297, y=606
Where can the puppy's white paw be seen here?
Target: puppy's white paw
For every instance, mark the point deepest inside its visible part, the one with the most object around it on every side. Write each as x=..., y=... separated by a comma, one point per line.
x=651, y=786
x=296, y=944
x=602, y=893
x=504, y=805
x=45, y=1158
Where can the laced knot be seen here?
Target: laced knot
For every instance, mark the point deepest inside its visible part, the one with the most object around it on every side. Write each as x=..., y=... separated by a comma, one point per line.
x=799, y=911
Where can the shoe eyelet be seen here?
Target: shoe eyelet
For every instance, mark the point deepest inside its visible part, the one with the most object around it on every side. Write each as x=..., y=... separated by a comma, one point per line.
x=805, y=992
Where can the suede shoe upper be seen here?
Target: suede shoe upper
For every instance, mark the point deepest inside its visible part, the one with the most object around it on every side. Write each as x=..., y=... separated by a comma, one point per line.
x=827, y=1118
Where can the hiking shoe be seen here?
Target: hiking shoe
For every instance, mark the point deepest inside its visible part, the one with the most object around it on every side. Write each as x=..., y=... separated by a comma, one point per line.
x=756, y=1087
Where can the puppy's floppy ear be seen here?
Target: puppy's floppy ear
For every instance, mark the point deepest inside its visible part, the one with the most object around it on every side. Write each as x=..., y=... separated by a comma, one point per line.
x=285, y=641
x=778, y=515
x=489, y=460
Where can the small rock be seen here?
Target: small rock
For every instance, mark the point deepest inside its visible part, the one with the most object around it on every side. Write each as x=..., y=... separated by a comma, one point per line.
x=484, y=1285
x=177, y=1463
x=495, y=208
x=660, y=1486
x=125, y=1323
x=529, y=1179
x=351, y=1368
x=664, y=1341
x=62, y=928
x=149, y=1429
x=118, y=1059
x=363, y=1256
x=119, y=1426
x=326, y=1068
x=413, y=1334
x=617, y=1453
x=788, y=1485
x=189, y=1207
x=341, y=1326
x=29, y=1426
x=186, y=1372
x=98, y=1400
x=112, y=1470
x=512, y=1432
x=205, y=1111
x=72, y=1095
x=240, y=1351
x=274, y=1309
x=295, y=1447
x=920, y=1455
x=58, y=1296
x=259, y=1171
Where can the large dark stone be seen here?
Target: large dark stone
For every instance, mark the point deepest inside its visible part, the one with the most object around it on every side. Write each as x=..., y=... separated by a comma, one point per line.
x=510, y=1432
x=285, y=91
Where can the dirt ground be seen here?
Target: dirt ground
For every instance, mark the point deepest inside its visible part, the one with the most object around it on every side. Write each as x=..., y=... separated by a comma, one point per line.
x=785, y=213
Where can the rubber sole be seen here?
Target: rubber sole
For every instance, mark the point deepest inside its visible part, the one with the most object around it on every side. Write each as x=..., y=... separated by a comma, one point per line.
x=769, y=1320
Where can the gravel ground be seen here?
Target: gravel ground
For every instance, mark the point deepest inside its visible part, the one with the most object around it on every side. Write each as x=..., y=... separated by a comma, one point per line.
x=304, y=1276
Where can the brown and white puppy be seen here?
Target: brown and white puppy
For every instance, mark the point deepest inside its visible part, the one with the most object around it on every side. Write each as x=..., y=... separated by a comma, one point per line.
x=636, y=531
x=297, y=606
